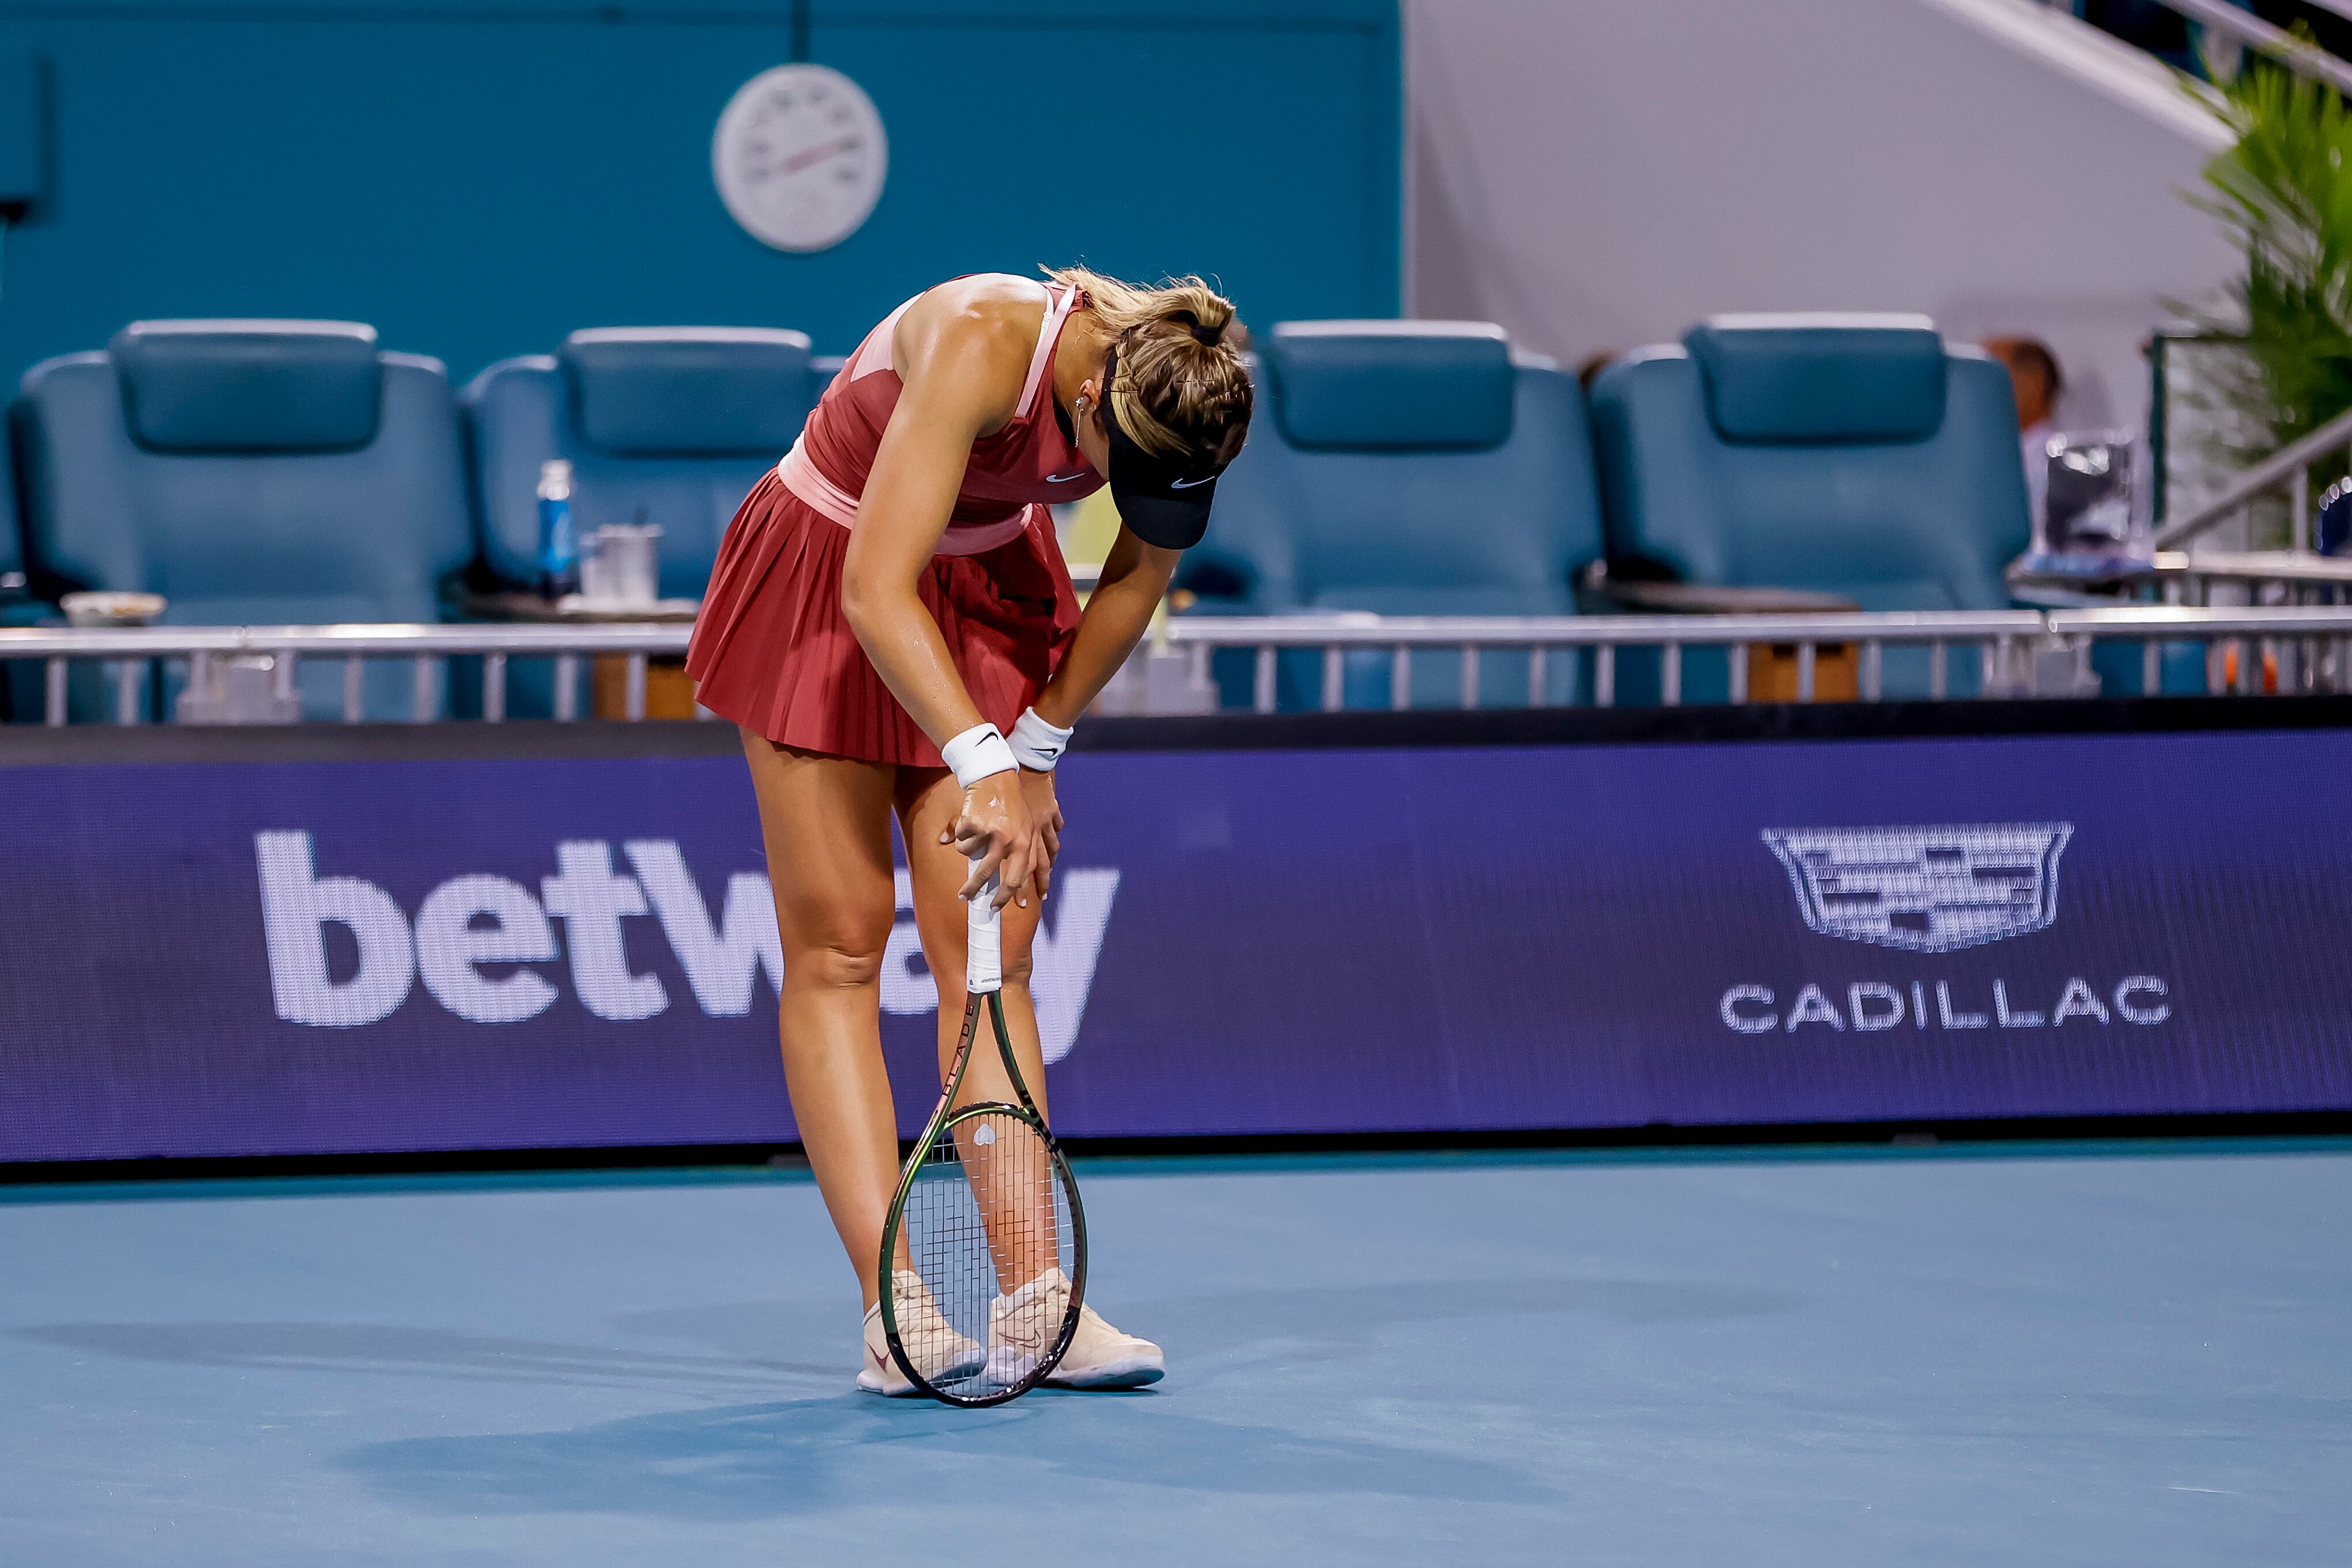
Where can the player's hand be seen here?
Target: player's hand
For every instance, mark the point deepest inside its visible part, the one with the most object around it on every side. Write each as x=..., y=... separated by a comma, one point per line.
x=993, y=830
x=1045, y=811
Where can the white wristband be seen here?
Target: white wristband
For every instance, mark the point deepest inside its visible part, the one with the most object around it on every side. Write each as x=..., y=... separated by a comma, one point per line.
x=978, y=752
x=1036, y=744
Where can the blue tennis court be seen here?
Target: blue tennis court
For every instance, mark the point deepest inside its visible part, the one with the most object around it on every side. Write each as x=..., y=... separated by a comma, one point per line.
x=1589, y=590
x=2089, y=1353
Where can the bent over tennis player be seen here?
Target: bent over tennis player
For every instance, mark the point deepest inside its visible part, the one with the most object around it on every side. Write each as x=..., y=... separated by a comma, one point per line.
x=891, y=624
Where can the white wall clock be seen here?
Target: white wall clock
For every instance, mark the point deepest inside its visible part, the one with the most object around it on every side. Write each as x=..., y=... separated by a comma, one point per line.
x=799, y=157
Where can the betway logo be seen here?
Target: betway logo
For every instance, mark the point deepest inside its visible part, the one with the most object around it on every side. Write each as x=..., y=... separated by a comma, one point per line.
x=470, y=921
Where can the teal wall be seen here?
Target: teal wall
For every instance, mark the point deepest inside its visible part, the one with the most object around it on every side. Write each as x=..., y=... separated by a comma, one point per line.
x=478, y=180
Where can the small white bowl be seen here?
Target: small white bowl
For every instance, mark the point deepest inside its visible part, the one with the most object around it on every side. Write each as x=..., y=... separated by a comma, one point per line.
x=111, y=609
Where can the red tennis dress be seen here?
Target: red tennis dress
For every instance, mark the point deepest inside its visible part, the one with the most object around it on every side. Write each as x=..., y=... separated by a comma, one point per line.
x=771, y=649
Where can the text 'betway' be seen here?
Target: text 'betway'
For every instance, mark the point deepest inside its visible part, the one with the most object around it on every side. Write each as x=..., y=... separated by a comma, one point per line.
x=476, y=920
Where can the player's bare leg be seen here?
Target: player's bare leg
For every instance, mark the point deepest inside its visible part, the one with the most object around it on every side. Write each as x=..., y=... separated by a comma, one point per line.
x=826, y=823
x=1015, y=1205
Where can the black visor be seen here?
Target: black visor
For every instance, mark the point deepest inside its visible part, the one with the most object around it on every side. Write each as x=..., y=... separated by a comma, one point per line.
x=1163, y=501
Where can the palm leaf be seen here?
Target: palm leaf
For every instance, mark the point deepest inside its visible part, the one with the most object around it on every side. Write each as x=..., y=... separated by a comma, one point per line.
x=2284, y=193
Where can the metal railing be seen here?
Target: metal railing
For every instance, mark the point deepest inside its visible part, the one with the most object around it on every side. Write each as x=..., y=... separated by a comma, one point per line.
x=131, y=652
x=2009, y=653
x=2281, y=570
x=2277, y=43
x=2291, y=466
x=1989, y=632
x=2254, y=577
x=2255, y=651
x=2017, y=652
x=2243, y=27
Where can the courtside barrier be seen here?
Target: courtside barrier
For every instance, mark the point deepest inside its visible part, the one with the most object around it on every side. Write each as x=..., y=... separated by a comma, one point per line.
x=2015, y=652
x=313, y=940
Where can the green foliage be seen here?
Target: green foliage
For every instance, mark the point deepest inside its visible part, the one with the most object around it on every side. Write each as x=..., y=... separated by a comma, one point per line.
x=2284, y=193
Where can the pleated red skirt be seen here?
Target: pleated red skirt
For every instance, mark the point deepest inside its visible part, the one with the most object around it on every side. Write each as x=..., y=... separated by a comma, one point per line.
x=772, y=651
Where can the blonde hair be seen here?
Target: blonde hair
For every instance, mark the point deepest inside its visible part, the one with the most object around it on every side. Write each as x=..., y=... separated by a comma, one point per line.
x=1180, y=385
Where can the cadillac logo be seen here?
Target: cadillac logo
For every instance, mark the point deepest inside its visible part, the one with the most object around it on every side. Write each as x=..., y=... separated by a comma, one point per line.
x=1927, y=889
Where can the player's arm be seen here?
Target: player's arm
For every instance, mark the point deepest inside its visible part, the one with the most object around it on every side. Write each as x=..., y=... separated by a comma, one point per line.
x=962, y=362
x=957, y=365
x=1134, y=580
x=1118, y=612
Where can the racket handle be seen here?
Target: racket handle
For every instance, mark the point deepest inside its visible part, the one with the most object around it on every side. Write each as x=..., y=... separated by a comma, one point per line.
x=984, y=966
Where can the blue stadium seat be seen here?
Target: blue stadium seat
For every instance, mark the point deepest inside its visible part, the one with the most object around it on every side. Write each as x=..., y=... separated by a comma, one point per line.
x=1405, y=468
x=664, y=425
x=251, y=472
x=671, y=425
x=1859, y=455
x=1851, y=455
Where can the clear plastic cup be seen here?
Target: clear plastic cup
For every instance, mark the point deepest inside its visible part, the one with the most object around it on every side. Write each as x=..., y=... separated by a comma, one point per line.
x=629, y=564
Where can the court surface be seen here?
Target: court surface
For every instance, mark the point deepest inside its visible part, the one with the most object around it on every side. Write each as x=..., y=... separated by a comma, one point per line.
x=2078, y=1354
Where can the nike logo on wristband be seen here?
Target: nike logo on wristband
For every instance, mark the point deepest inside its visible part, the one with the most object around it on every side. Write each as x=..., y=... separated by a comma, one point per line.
x=1187, y=484
x=1037, y=743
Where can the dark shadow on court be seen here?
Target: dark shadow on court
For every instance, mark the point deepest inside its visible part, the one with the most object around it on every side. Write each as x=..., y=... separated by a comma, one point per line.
x=1309, y=1322
x=1340, y=1315
x=343, y=1350
x=759, y=1461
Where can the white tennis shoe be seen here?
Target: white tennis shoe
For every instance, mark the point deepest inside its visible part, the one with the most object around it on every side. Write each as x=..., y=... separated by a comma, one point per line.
x=932, y=1343
x=1021, y=1327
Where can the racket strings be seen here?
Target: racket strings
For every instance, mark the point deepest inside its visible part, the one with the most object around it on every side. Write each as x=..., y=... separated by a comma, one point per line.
x=983, y=1289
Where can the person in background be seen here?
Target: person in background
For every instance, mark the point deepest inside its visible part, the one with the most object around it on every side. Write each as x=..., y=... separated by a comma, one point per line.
x=2034, y=371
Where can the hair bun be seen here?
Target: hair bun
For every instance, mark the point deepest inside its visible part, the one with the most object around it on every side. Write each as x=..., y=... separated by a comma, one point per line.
x=1208, y=337
x=1172, y=401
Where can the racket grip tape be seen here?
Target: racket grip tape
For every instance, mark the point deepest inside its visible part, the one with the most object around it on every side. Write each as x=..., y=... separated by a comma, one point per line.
x=985, y=942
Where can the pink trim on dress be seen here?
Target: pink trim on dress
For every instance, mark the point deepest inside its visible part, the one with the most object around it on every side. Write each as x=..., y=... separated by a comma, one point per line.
x=874, y=354
x=807, y=481
x=1049, y=333
x=801, y=476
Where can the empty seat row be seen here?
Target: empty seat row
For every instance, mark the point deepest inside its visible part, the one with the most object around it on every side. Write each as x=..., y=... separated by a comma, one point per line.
x=283, y=471
x=1415, y=467
x=1858, y=456
x=263, y=472
x=250, y=473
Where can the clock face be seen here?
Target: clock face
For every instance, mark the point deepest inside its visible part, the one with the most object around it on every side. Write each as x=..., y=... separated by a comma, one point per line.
x=800, y=157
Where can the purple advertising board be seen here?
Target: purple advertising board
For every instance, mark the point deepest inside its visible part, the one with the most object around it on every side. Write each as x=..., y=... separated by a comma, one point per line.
x=301, y=957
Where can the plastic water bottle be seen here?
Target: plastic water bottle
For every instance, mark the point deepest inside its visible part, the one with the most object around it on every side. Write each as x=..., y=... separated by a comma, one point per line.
x=559, y=542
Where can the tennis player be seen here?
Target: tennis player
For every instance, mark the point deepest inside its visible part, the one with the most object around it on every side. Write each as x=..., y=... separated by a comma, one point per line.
x=891, y=624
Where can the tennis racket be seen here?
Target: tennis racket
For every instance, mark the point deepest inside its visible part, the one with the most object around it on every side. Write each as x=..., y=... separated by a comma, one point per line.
x=985, y=1252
